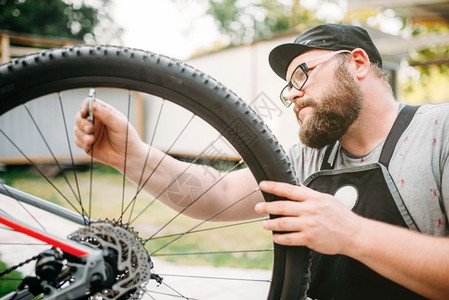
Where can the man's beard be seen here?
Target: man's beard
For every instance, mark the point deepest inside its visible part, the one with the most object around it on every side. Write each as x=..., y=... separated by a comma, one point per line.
x=333, y=113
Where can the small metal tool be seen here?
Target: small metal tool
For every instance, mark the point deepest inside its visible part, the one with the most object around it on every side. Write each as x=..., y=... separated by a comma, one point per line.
x=91, y=98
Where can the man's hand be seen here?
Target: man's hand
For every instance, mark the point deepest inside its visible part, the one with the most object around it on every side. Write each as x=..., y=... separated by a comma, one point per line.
x=108, y=134
x=313, y=219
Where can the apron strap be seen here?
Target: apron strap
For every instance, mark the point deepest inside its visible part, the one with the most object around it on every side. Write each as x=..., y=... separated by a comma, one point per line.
x=404, y=118
x=402, y=121
x=330, y=157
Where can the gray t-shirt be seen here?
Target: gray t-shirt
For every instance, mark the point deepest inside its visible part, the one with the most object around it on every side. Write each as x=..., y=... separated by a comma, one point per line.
x=419, y=166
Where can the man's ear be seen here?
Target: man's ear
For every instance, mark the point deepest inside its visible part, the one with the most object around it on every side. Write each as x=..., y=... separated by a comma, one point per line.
x=362, y=62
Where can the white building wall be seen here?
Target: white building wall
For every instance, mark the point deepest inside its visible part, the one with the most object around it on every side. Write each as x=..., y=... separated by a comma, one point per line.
x=246, y=71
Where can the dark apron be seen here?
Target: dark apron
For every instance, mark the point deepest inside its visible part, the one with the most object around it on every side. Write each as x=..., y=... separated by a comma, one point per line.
x=375, y=197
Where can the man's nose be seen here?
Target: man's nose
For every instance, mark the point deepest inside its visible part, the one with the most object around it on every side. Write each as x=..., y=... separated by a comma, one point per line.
x=295, y=94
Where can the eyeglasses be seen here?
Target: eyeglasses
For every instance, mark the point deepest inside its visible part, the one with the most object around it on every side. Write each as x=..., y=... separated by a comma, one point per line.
x=301, y=74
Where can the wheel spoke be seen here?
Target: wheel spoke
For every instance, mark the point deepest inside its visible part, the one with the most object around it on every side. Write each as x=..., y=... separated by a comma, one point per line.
x=126, y=157
x=174, y=180
x=211, y=252
x=36, y=126
x=75, y=176
x=139, y=185
x=215, y=277
x=91, y=174
x=154, y=170
x=207, y=229
x=177, y=293
x=206, y=220
x=195, y=200
x=40, y=171
x=149, y=295
x=22, y=206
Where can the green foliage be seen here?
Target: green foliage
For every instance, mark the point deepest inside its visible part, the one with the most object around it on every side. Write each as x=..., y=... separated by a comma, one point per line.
x=100, y=169
x=245, y=21
x=82, y=20
x=9, y=282
x=430, y=87
x=49, y=18
x=432, y=53
x=18, y=172
x=432, y=65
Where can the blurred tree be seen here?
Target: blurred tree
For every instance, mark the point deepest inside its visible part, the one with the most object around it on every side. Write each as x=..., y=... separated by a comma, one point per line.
x=423, y=79
x=244, y=21
x=431, y=63
x=59, y=18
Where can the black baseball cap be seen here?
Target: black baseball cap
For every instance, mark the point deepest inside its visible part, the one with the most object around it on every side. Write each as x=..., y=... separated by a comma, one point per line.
x=327, y=36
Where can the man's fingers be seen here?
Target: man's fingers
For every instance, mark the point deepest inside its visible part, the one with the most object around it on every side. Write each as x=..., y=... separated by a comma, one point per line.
x=286, y=190
x=109, y=116
x=283, y=224
x=290, y=239
x=83, y=137
x=83, y=124
x=284, y=208
x=83, y=140
x=84, y=110
x=104, y=114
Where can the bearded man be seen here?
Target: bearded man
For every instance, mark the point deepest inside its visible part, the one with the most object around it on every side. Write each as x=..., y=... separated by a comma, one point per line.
x=375, y=195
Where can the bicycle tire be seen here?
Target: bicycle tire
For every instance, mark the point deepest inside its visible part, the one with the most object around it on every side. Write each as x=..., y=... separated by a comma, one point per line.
x=54, y=70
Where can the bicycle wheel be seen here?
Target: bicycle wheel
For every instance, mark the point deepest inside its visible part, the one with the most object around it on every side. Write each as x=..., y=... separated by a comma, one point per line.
x=39, y=95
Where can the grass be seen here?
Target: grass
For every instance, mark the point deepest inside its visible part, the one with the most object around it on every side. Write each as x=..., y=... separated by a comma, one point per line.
x=107, y=195
x=17, y=173
x=9, y=282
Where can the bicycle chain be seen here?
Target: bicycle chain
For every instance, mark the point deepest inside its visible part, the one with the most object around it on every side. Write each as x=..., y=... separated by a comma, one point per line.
x=7, y=271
